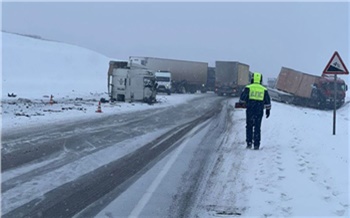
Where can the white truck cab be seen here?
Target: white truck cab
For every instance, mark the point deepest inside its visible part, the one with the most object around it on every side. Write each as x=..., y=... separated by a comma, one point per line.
x=140, y=86
x=133, y=85
x=163, y=79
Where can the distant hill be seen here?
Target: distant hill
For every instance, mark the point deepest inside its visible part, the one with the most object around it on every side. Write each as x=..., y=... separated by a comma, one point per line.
x=29, y=35
x=33, y=67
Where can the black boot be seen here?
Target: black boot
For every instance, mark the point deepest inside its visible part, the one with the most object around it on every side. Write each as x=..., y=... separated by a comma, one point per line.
x=249, y=145
x=256, y=146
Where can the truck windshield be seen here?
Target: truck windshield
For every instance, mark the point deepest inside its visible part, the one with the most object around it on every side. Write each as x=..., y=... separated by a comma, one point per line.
x=163, y=79
x=330, y=86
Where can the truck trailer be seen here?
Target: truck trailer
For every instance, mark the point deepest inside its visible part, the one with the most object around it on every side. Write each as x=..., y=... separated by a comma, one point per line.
x=308, y=90
x=187, y=76
x=231, y=77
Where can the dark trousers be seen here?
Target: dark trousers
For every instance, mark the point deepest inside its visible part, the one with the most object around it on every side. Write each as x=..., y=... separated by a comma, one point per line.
x=253, y=132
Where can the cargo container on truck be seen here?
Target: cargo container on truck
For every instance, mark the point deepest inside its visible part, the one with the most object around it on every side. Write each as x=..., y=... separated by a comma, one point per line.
x=231, y=77
x=308, y=90
x=187, y=76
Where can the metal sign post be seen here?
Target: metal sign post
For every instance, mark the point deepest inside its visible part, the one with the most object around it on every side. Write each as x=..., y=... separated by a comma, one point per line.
x=335, y=103
x=335, y=66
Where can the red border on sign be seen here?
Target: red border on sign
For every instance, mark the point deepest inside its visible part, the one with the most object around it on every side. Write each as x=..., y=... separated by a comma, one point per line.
x=335, y=72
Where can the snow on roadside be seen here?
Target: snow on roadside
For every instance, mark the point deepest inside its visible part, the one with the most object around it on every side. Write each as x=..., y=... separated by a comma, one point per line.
x=302, y=170
x=26, y=113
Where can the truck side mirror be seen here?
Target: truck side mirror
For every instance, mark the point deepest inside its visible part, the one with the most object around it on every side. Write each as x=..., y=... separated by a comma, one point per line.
x=346, y=87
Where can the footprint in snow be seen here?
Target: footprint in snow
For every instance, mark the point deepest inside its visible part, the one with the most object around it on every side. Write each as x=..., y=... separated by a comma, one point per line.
x=285, y=197
x=281, y=177
x=301, y=164
x=340, y=212
x=327, y=198
x=263, y=189
x=313, y=178
x=287, y=210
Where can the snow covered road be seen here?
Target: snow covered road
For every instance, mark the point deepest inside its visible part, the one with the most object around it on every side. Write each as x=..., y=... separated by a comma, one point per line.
x=62, y=151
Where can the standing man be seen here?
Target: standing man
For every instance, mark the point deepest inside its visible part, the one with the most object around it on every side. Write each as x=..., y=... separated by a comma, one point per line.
x=256, y=98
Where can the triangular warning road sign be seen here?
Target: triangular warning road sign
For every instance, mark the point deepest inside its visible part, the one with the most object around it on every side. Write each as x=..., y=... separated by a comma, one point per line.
x=335, y=65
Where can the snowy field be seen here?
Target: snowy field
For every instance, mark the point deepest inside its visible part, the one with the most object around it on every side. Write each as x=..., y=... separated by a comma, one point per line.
x=302, y=170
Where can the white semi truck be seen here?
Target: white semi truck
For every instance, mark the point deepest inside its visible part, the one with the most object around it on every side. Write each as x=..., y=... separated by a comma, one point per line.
x=186, y=76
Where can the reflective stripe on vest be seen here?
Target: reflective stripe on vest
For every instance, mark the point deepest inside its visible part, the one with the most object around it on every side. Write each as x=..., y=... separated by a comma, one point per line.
x=256, y=92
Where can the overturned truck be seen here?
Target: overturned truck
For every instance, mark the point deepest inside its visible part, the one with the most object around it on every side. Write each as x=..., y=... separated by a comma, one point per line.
x=131, y=83
x=308, y=90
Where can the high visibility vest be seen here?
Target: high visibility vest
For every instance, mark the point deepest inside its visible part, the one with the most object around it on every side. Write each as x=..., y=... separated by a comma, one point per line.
x=256, y=92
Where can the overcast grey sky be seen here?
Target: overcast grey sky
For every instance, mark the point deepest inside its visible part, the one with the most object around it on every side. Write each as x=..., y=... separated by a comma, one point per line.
x=265, y=35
